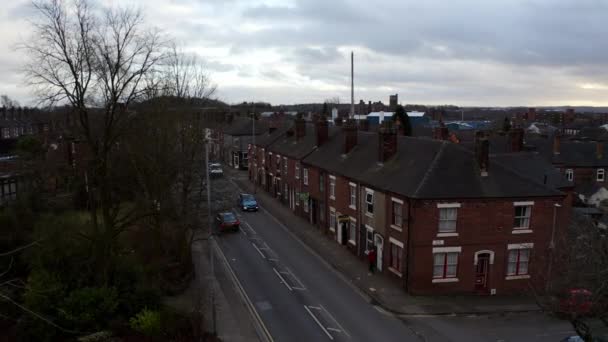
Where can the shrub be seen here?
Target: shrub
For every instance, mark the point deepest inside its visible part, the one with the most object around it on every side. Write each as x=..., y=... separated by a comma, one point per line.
x=147, y=322
x=90, y=308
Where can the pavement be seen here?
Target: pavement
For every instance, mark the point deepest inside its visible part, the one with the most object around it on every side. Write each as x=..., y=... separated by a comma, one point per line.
x=382, y=290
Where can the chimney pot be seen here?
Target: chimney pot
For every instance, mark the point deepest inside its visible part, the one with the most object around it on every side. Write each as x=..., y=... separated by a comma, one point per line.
x=387, y=142
x=557, y=140
x=321, y=130
x=516, y=137
x=482, y=152
x=300, y=128
x=350, y=135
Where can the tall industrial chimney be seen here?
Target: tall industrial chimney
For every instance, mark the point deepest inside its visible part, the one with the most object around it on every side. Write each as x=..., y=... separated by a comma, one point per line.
x=352, y=85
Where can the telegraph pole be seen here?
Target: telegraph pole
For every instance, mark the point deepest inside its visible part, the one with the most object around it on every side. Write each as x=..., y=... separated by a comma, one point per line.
x=210, y=241
x=255, y=154
x=352, y=85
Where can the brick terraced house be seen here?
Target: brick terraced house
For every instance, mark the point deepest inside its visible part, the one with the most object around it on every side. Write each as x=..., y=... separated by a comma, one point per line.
x=444, y=219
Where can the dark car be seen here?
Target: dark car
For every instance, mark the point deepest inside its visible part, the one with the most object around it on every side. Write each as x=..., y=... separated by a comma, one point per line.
x=227, y=221
x=247, y=202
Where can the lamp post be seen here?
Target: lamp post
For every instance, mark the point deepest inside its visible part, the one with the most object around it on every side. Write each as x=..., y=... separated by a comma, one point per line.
x=255, y=154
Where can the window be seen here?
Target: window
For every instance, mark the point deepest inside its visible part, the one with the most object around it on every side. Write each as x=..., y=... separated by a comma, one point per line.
x=369, y=201
x=332, y=219
x=397, y=219
x=297, y=171
x=522, y=216
x=286, y=192
x=305, y=204
x=278, y=163
x=6, y=133
x=352, y=232
x=321, y=183
x=447, y=220
x=369, y=238
x=285, y=166
x=305, y=176
x=332, y=187
x=396, y=252
x=353, y=196
x=445, y=265
x=518, y=262
x=600, y=175
x=263, y=157
x=570, y=175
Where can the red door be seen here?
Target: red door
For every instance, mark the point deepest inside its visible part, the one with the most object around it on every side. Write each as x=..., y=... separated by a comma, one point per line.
x=482, y=272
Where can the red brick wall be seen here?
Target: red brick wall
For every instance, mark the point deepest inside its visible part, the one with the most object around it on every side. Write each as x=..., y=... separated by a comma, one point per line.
x=585, y=175
x=481, y=225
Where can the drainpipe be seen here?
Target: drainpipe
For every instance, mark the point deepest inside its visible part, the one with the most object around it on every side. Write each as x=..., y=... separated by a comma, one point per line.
x=359, y=220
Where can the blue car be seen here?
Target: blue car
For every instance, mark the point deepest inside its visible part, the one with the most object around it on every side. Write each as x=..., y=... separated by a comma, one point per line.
x=247, y=202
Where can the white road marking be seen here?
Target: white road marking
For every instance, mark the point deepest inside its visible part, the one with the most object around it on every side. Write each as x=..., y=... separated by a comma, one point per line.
x=335, y=321
x=382, y=311
x=318, y=323
x=249, y=226
x=302, y=287
x=333, y=329
x=282, y=279
x=259, y=251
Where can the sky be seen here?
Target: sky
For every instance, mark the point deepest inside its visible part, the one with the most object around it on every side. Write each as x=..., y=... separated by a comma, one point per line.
x=461, y=52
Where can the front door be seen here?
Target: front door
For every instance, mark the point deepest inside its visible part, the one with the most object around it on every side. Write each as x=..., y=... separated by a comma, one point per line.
x=481, y=272
x=379, y=246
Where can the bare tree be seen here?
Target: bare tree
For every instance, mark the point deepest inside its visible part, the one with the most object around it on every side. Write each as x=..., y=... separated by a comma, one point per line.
x=185, y=76
x=97, y=64
x=580, y=263
x=8, y=102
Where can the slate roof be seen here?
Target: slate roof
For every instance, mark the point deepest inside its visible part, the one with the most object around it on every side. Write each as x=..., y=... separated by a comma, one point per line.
x=572, y=153
x=288, y=146
x=241, y=126
x=424, y=168
x=267, y=138
x=532, y=165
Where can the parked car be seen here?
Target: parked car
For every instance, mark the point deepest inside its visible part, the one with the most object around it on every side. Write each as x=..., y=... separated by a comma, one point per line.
x=227, y=221
x=577, y=301
x=247, y=202
x=215, y=170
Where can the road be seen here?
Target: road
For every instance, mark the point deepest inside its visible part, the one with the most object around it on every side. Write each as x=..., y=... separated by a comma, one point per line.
x=301, y=298
x=298, y=296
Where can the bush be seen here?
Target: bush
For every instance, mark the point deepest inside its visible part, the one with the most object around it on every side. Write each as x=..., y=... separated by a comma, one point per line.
x=90, y=308
x=147, y=322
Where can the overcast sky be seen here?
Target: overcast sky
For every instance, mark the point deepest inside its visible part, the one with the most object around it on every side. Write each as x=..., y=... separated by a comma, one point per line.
x=512, y=52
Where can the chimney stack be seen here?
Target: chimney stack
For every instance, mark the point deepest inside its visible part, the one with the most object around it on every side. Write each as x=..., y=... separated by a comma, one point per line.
x=321, y=130
x=557, y=141
x=531, y=114
x=482, y=152
x=599, y=149
x=350, y=135
x=387, y=142
x=516, y=137
x=441, y=132
x=300, y=127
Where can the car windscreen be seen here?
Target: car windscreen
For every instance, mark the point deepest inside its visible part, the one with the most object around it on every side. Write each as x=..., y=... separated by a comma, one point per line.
x=247, y=197
x=229, y=217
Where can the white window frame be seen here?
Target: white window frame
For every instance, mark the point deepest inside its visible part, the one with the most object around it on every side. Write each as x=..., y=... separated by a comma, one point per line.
x=445, y=251
x=395, y=226
x=518, y=246
x=392, y=241
x=352, y=226
x=332, y=187
x=600, y=175
x=369, y=243
x=332, y=219
x=352, y=188
x=443, y=232
x=368, y=202
x=526, y=228
x=305, y=175
x=297, y=170
x=570, y=175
